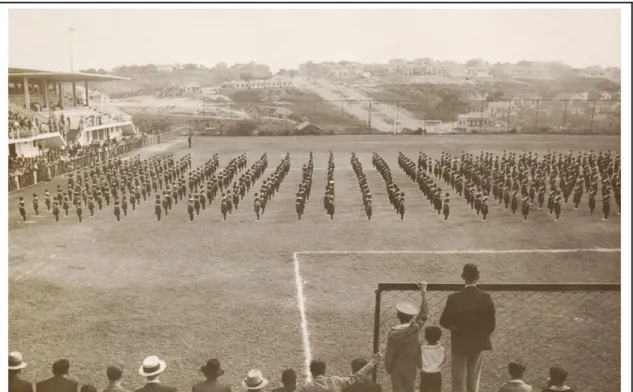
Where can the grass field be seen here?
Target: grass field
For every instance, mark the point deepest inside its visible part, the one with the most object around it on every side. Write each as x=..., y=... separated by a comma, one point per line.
x=103, y=292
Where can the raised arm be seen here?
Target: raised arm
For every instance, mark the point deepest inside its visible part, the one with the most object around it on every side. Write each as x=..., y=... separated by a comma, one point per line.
x=422, y=315
x=359, y=376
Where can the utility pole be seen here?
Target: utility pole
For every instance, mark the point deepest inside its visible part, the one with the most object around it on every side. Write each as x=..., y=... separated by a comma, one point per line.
x=369, y=117
x=593, y=112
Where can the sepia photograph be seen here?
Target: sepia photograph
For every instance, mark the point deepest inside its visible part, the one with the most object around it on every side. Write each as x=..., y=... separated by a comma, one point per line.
x=318, y=197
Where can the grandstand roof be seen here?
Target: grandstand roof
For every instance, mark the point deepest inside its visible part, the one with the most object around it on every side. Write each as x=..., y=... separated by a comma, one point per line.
x=15, y=73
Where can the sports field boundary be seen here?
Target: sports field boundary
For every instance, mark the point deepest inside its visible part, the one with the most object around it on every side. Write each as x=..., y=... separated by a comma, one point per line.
x=304, y=325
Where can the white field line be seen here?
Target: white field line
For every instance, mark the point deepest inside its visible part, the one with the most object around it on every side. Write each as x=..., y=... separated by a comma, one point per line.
x=36, y=266
x=305, y=334
x=467, y=251
x=307, y=352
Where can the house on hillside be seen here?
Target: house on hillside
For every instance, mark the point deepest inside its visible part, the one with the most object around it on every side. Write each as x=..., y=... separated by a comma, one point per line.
x=572, y=98
x=165, y=68
x=249, y=71
x=191, y=88
x=307, y=128
x=528, y=101
x=501, y=110
x=474, y=119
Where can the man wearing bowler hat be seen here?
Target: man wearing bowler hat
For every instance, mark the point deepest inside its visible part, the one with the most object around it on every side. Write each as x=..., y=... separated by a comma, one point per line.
x=212, y=371
x=470, y=316
x=151, y=369
x=16, y=364
x=403, y=355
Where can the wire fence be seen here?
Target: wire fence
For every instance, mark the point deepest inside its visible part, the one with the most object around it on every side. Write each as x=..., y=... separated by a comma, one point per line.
x=357, y=116
x=45, y=173
x=576, y=326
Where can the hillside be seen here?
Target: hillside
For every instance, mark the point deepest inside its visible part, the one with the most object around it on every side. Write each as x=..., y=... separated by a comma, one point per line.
x=151, y=84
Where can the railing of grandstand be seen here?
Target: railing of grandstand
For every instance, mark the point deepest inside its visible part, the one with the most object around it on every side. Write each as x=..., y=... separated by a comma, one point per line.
x=46, y=172
x=576, y=326
x=575, y=115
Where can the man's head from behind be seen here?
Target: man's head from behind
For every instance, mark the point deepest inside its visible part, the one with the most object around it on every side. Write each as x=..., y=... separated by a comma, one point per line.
x=557, y=376
x=61, y=367
x=470, y=274
x=289, y=379
x=114, y=373
x=516, y=370
x=317, y=368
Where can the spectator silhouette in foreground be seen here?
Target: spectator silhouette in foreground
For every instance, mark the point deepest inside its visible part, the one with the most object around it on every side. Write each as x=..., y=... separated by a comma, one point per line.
x=403, y=356
x=60, y=381
x=16, y=364
x=212, y=371
x=115, y=375
x=516, y=383
x=321, y=383
x=151, y=369
x=470, y=316
x=367, y=385
x=254, y=381
x=88, y=388
x=289, y=379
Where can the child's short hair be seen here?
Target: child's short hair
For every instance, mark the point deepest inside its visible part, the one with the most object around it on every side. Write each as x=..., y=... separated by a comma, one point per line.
x=557, y=375
x=432, y=334
x=516, y=370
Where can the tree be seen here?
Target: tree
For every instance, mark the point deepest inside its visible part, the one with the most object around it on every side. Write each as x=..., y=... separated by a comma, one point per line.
x=474, y=62
x=524, y=63
x=221, y=67
x=190, y=66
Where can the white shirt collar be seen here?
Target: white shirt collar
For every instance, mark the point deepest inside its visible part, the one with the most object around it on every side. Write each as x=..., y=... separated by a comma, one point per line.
x=471, y=285
x=557, y=388
x=156, y=381
x=517, y=381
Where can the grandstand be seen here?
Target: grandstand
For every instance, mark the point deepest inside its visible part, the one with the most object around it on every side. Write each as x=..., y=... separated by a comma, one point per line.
x=45, y=111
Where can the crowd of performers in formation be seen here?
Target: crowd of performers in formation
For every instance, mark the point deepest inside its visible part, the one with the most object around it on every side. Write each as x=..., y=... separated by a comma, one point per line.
x=305, y=187
x=129, y=183
x=514, y=178
x=509, y=179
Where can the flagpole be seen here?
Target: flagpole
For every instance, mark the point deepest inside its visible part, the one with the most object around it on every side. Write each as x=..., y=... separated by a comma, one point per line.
x=70, y=49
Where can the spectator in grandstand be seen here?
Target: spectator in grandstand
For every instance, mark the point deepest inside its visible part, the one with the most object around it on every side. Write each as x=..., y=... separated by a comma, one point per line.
x=470, y=316
x=403, y=356
x=433, y=356
x=212, y=371
x=321, y=383
x=516, y=383
x=254, y=381
x=60, y=381
x=115, y=375
x=88, y=388
x=556, y=380
x=366, y=385
x=151, y=369
x=16, y=364
x=289, y=380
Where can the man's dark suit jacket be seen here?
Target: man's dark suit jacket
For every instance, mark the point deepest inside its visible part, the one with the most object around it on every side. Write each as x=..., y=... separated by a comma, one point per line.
x=470, y=315
x=57, y=384
x=155, y=387
x=364, y=387
x=16, y=384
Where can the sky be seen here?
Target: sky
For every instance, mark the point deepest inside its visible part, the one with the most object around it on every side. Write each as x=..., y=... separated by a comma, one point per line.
x=105, y=38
